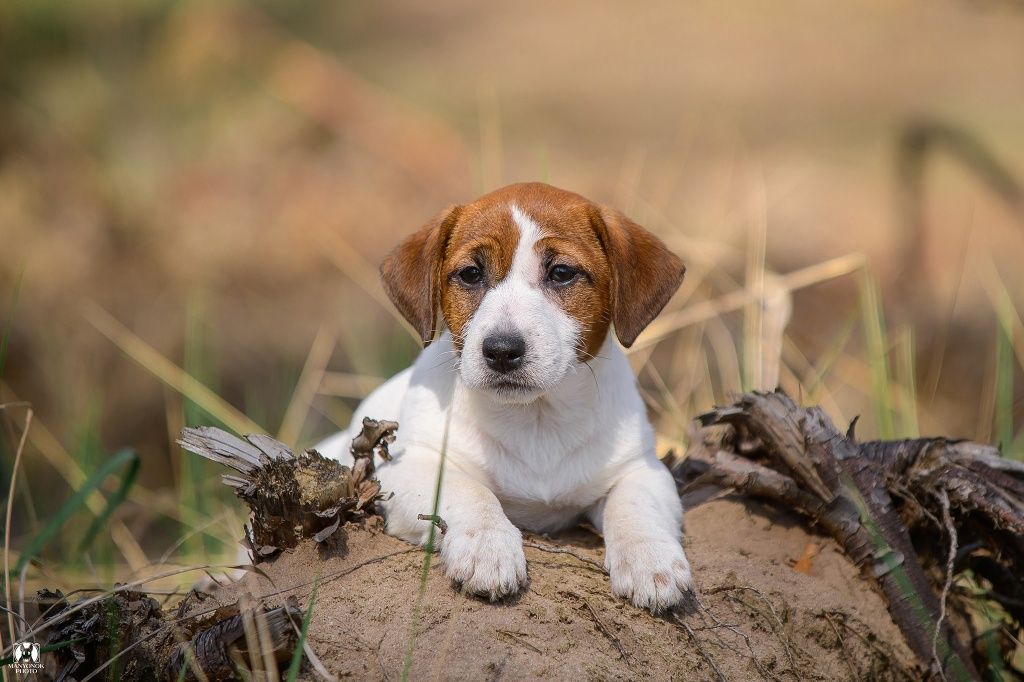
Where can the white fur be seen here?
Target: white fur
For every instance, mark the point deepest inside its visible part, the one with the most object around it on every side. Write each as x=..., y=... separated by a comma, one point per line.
x=577, y=446
x=518, y=305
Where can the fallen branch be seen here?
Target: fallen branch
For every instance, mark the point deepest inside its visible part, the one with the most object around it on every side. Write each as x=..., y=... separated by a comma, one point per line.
x=292, y=497
x=220, y=650
x=872, y=498
x=211, y=645
x=295, y=496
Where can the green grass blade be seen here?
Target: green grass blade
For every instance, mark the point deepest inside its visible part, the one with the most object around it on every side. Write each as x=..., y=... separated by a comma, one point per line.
x=114, y=640
x=76, y=501
x=875, y=343
x=131, y=472
x=199, y=361
x=1004, y=378
x=293, y=667
x=1017, y=449
x=167, y=372
x=831, y=355
x=906, y=374
x=428, y=552
x=88, y=451
x=182, y=674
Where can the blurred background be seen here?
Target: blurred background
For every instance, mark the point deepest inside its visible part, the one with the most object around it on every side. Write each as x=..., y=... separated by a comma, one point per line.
x=194, y=197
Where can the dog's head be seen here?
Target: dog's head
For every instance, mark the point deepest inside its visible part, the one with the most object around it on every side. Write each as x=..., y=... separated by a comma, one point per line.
x=528, y=280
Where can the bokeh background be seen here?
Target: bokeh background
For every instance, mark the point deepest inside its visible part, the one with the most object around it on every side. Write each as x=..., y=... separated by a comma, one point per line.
x=194, y=197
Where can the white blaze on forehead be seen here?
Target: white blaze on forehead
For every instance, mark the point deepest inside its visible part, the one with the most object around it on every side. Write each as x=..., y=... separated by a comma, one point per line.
x=518, y=305
x=525, y=262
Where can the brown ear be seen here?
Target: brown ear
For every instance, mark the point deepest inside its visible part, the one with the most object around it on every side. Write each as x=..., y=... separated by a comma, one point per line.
x=645, y=274
x=412, y=273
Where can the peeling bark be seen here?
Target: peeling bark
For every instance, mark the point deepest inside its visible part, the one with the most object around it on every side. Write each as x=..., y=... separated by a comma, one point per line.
x=295, y=496
x=292, y=497
x=873, y=498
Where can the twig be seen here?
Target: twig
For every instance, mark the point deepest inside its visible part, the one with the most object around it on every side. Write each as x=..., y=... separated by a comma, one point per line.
x=508, y=634
x=435, y=519
x=842, y=644
x=947, y=521
x=705, y=611
x=561, y=550
x=870, y=641
x=783, y=636
x=700, y=647
x=604, y=629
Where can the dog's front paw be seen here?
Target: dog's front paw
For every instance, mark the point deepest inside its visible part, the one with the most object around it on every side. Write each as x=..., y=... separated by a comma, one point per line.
x=652, y=574
x=486, y=560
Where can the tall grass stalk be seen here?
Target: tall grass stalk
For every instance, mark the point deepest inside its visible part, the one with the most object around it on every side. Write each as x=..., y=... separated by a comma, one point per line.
x=1009, y=345
x=906, y=376
x=167, y=372
x=1004, y=371
x=88, y=450
x=753, y=317
x=428, y=548
x=199, y=362
x=296, y=663
x=125, y=459
x=7, y=526
x=832, y=353
x=306, y=386
x=873, y=318
x=670, y=322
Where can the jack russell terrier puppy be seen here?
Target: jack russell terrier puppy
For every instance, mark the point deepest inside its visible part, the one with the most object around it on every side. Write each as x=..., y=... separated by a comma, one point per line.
x=545, y=425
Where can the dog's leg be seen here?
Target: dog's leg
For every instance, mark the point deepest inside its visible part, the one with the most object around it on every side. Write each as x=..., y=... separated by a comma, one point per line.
x=641, y=518
x=481, y=550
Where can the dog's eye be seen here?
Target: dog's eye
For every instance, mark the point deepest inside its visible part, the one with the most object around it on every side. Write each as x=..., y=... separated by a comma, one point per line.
x=471, y=275
x=562, y=274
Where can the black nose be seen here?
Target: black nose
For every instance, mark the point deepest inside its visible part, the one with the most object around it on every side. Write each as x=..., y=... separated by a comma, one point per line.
x=504, y=352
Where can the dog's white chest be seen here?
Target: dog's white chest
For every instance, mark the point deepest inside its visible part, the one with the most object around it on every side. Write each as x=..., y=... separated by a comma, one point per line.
x=548, y=462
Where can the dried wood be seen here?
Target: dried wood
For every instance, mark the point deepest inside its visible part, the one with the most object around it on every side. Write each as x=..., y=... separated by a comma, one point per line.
x=128, y=636
x=295, y=496
x=875, y=498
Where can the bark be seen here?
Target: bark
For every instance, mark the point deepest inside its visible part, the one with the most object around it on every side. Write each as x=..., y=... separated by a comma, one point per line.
x=128, y=636
x=874, y=498
x=295, y=496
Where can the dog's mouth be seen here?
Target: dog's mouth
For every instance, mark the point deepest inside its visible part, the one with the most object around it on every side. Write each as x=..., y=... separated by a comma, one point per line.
x=512, y=390
x=505, y=384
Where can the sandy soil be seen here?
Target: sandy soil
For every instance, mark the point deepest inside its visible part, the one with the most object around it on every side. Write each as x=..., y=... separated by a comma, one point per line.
x=760, y=618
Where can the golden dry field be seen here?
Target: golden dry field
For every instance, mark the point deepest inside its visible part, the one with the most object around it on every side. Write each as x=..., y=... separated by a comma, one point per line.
x=194, y=198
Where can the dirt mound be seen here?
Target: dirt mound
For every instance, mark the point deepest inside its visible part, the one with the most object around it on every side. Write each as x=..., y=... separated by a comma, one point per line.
x=758, y=617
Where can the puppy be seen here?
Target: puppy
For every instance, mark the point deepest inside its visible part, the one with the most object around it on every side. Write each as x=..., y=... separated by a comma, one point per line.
x=522, y=407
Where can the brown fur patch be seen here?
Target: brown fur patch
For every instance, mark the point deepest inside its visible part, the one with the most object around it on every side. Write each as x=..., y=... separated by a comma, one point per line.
x=485, y=237
x=645, y=274
x=412, y=273
x=588, y=299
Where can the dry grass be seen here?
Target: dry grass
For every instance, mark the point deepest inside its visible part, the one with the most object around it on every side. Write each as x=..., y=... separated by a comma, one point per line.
x=262, y=158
